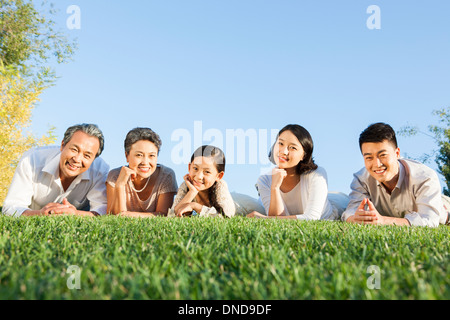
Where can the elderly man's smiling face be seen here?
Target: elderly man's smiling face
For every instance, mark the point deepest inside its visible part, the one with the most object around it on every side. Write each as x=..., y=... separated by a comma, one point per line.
x=77, y=155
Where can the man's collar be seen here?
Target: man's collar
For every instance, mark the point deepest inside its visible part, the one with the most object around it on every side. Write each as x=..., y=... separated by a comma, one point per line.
x=85, y=175
x=52, y=167
x=401, y=176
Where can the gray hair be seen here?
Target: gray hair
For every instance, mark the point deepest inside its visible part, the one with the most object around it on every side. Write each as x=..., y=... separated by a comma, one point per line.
x=89, y=129
x=138, y=134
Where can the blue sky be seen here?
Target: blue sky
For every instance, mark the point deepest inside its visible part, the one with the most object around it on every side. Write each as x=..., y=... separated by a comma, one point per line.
x=254, y=65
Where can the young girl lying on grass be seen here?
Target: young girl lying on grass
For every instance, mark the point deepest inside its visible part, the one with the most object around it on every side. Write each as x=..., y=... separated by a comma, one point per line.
x=203, y=191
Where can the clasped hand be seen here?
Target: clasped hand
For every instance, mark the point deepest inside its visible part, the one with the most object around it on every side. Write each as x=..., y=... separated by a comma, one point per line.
x=369, y=216
x=59, y=208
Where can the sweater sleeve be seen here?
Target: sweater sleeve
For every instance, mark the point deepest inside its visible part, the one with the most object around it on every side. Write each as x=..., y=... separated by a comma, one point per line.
x=359, y=191
x=316, y=195
x=224, y=199
x=182, y=190
x=263, y=185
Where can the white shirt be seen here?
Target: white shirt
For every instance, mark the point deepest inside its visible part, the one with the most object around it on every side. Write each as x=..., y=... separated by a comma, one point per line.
x=416, y=197
x=308, y=200
x=36, y=183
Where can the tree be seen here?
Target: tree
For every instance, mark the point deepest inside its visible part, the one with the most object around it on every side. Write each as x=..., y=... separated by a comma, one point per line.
x=28, y=42
x=18, y=97
x=441, y=134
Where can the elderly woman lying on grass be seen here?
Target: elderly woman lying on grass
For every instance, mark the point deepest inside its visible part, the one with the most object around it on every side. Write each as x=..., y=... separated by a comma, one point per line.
x=143, y=188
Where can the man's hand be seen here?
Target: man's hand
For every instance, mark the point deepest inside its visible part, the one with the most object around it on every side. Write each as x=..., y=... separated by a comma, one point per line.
x=65, y=208
x=45, y=211
x=369, y=216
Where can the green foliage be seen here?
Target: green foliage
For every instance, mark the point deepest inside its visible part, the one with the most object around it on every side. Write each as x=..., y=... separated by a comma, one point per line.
x=29, y=39
x=238, y=258
x=441, y=134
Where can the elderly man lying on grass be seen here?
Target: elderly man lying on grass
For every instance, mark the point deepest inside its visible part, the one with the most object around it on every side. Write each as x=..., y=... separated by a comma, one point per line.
x=66, y=179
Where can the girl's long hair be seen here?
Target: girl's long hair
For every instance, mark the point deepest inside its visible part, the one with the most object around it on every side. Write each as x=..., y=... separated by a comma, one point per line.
x=219, y=162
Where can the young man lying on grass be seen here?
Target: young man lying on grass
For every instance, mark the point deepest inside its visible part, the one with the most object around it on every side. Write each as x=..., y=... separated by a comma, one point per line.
x=390, y=190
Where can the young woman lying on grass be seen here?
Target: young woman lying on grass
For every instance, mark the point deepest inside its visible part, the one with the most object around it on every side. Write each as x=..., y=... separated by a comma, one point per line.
x=203, y=191
x=296, y=188
x=143, y=188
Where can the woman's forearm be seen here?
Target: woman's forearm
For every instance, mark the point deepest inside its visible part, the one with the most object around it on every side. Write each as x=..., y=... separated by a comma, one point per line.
x=117, y=204
x=276, y=207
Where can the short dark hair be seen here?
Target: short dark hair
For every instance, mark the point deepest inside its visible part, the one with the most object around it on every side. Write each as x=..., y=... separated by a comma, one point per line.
x=376, y=133
x=88, y=128
x=138, y=134
x=306, y=141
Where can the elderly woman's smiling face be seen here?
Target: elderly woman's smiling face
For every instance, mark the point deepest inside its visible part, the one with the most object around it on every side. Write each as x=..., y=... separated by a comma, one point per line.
x=143, y=158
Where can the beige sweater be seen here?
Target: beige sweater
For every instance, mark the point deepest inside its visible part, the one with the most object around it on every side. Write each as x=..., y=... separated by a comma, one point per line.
x=224, y=199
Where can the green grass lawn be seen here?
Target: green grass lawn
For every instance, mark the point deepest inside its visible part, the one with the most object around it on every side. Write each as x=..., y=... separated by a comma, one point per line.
x=239, y=258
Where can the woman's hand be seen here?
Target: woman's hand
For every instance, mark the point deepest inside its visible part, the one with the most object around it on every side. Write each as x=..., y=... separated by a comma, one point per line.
x=256, y=214
x=278, y=176
x=125, y=175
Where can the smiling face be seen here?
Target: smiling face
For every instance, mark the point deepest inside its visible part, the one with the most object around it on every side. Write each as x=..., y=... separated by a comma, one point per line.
x=381, y=161
x=203, y=173
x=77, y=155
x=288, y=152
x=143, y=158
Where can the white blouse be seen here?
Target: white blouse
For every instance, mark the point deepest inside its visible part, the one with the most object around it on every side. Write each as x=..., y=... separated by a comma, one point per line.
x=308, y=200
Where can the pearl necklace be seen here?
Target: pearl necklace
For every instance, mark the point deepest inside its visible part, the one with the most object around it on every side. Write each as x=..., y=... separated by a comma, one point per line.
x=132, y=186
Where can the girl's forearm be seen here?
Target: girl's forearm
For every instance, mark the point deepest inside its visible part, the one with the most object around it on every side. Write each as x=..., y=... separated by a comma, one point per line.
x=188, y=198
